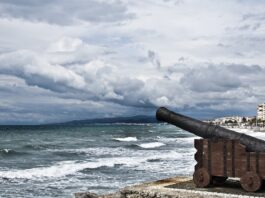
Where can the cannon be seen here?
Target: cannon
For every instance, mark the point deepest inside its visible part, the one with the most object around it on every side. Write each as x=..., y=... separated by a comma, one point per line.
x=221, y=153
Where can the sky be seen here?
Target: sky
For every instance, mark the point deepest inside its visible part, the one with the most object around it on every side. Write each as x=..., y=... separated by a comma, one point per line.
x=66, y=60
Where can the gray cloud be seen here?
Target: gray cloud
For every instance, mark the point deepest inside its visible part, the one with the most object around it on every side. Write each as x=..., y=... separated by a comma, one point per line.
x=24, y=104
x=37, y=71
x=246, y=70
x=212, y=88
x=96, y=62
x=212, y=78
x=96, y=81
x=153, y=57
x=254, y=16
x=65, y=12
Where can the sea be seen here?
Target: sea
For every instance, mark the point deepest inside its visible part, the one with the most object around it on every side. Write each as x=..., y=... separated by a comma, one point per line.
x=58, y=161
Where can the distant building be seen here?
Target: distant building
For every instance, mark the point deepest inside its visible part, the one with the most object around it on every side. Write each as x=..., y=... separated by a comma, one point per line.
x=223, y=120
x=231, y=120
x=261, y=112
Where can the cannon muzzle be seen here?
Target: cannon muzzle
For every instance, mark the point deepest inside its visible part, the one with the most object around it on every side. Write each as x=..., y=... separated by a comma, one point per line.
x=206, y=130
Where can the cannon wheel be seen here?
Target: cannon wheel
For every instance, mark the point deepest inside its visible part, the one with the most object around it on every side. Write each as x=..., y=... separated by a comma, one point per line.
x=201, y=178
x=218, y=180
x=251, y=181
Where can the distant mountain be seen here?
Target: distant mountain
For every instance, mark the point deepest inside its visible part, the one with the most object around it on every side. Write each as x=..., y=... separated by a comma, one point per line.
x=74, y=123
x=133, y=119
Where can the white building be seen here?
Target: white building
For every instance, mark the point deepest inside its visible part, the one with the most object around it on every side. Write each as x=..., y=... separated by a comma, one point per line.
x=233, y=119
x=224, y=120
x=261, y=112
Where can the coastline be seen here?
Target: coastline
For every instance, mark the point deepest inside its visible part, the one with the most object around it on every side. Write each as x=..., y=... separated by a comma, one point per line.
x=176, y=187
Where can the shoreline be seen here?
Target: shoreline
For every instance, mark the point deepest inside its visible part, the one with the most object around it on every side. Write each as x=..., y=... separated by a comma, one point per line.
x=176, y=187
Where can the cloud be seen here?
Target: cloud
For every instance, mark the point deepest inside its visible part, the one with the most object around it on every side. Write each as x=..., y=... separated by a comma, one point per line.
x=64, y=12
x=182, y=85
x=154, y=58
x=106, y=58
x=24, y=104
x=37, y=71
x=217, y=78
x=66, y=44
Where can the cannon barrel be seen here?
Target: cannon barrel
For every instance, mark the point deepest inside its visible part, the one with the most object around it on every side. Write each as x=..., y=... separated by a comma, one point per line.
x=206, y=130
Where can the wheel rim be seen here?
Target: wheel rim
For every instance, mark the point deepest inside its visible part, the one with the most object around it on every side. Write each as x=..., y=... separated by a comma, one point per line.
x=251, y=181
x=201, y=178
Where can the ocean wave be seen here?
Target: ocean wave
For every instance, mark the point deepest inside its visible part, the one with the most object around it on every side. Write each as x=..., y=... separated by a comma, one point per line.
x=188, y=139
x=126, y=139
x=57, y=170
x=9, y=152
x=151, y=145
x=6, y=151
x=165, y=156
x=94, y=151
x=166, y=139
x=65, y=168
x=41, y=146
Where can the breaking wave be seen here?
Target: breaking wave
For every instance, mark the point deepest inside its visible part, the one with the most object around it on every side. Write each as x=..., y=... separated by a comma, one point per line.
x=9, y=152
x=65, y=168
x=126, y=139
x=6, y=151
x=151, y=145
x=68, y=167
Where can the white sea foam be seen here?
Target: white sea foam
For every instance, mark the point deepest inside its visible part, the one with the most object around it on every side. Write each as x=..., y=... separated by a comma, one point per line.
x=58, y=170
x=151, y=145
x=65, y=168
x=186, y=141
x=164, y=139
x=6, y=150
x=69, y=167
x=126, y=139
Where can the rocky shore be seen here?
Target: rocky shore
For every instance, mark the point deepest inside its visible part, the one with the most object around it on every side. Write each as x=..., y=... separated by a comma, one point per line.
x=177, y=187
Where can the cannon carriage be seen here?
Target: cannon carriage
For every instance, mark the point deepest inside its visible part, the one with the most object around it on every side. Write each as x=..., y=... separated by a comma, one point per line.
x=218, y=159
x=221, y=153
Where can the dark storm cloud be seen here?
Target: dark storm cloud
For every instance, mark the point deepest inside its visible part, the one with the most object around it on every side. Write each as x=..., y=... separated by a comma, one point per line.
x=65, y=12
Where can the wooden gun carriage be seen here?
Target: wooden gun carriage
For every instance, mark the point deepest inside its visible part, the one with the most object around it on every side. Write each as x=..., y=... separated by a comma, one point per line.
x=218, y=159
x=222, y=153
